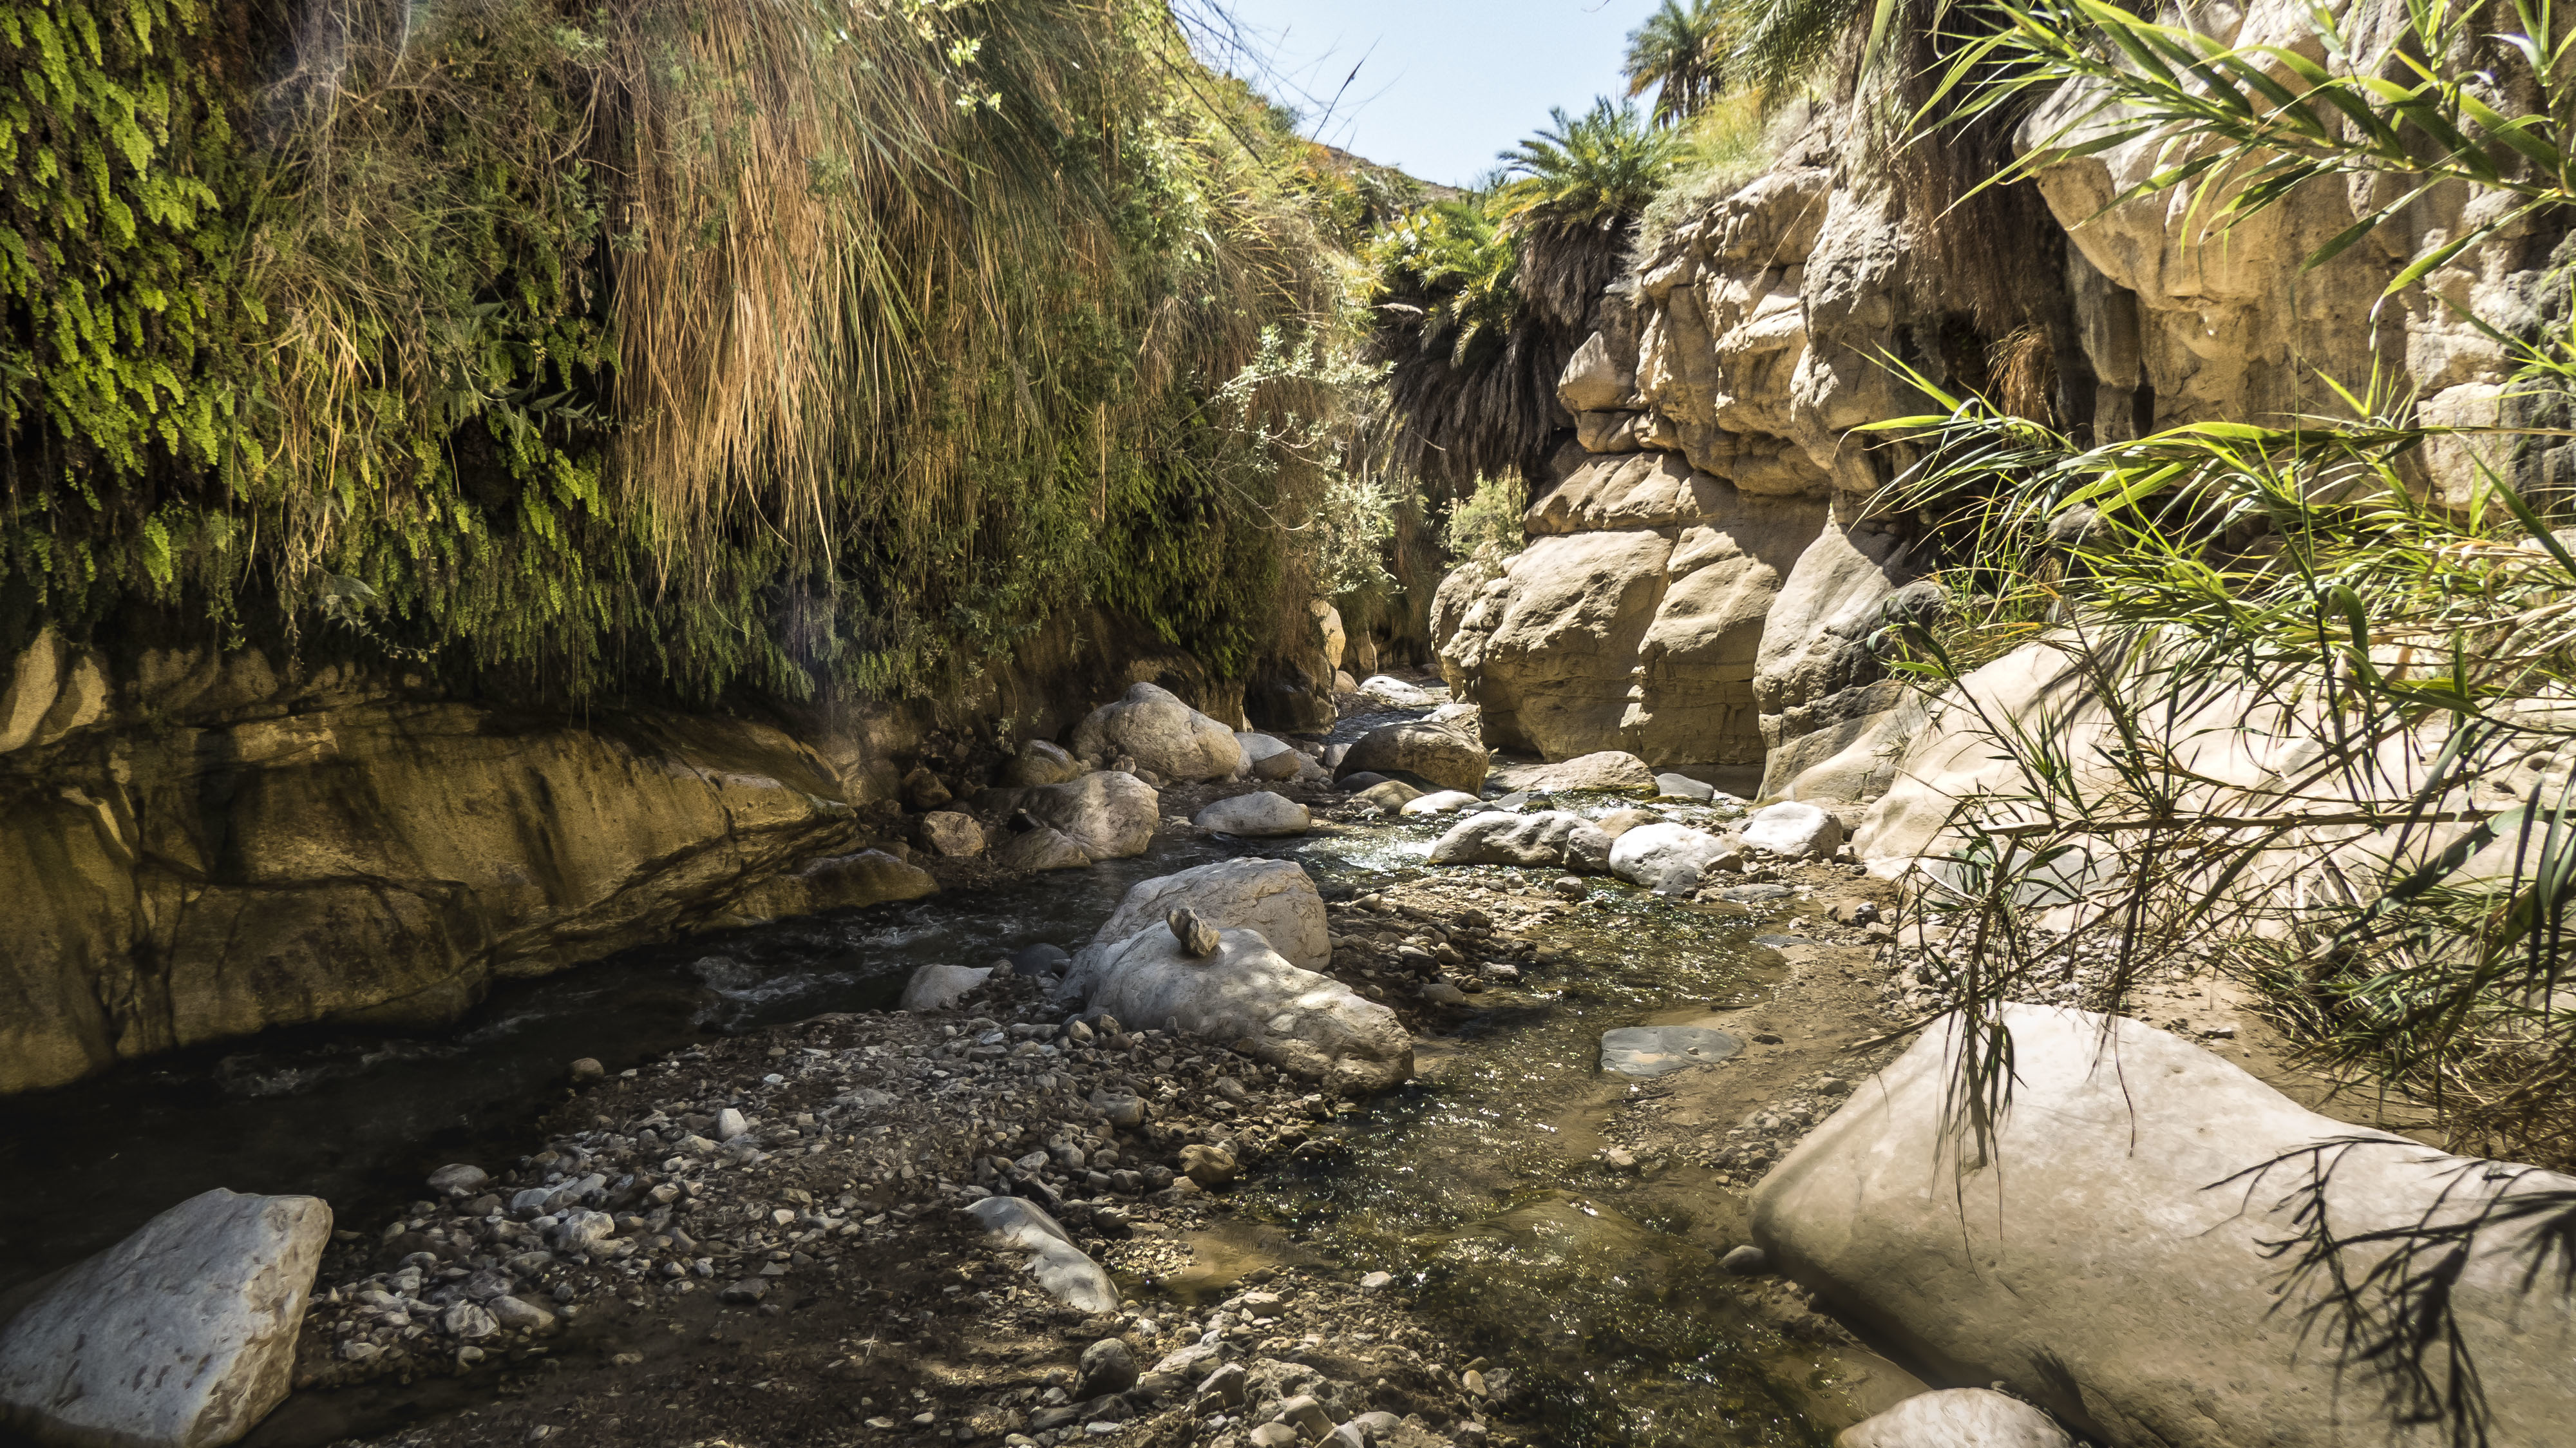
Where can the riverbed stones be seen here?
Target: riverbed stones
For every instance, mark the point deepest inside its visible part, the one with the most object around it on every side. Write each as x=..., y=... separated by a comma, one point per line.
x=1041, y=849
x=1306, y=1024
x=1666, y=856
x=1274, y=897
x=1445, y=754
x=1108, y=814
x=1602, y=769
x=1496, y=838
x=2114, y=1256
x=458, y=1180
x=1261, y=814
x=951, y=835
x=1662, y=1050
x=1212, y=1167
x=938, y=987
x=1957, y=1418
x=1794, y=831
x=1154, y=727
x=180, y=1336
x=1061, y=1268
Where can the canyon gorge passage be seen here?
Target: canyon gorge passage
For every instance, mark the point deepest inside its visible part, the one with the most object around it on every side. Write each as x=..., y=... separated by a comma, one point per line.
x=901, y=724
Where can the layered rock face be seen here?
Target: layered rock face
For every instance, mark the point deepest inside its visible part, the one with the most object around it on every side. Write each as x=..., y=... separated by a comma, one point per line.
x=1706, y=570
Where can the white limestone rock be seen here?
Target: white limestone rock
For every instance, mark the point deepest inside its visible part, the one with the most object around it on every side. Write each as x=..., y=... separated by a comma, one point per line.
x=1152, y=726
x=1110, y=815
x=1258, y=815
x=1250, y=998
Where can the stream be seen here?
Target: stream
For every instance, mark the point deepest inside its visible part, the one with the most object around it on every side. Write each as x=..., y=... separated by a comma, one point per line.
x=1477, y=1182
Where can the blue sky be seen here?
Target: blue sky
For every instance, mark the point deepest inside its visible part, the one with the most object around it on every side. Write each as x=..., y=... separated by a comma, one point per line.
x=1442, y=84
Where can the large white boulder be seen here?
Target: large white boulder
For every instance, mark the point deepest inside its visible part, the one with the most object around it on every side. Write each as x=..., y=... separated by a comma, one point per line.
x=1274, y=897
x=1799, y=831
x=1248, y=997
x=1447, y=754
x=1259, y=815
x=1152, y=726
x=2119, y=1257
x=940, y=987
x=1661, y=855
x=1109, y=814
x=1957, y=1418
x=180, y=1336
x=1497, y=838
x=1064, y=1270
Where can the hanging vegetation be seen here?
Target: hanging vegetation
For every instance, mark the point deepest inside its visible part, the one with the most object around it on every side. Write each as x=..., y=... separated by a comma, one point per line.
x=646, y=346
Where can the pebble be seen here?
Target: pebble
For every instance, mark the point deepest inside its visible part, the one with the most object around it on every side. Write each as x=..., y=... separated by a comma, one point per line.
x=729, y=1124
x=587, y=1069
x=458, y=1180
x=1745, y=1261
x=1377, y=1281
x=1211, y=1167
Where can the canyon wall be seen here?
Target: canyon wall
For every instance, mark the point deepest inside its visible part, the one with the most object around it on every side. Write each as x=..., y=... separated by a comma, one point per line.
x=1706, y=568
x=196, y=846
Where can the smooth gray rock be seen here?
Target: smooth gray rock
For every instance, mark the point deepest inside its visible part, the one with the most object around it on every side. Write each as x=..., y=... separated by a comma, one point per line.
x=1391, y=795
x=1107, y=1367
x=1587, y=848
x=458, y=1180
x=1448, y=754
x=1041, y=849
x=1603, y=769
x=1651, y=855
x=1039, y=763
x=1061, y=1268
x=1041, y=959
x=1682, y=786
x=939, y=987
x=517, y=1314
x=1755, y=894
x=1798, y=831
x=1258, y=815
x=1109, y=814
x=1274, y=897
x=181, y=1335
x=1252, y=999
x=730, y=1124
x=1662, y=1050
x=1745, y=1261
x=2113, y=1260
x=1496, y=838
x=1957, y=1418
x=1446, y=801
x=1152, y=726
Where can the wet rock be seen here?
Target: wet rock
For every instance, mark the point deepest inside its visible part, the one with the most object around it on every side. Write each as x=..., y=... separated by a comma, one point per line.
x=1108, y=814
x=2093, y=1259
x=1793, y=831
x=1602, y=769
x=1040, y=763
x=952, y=835
x=1377, y=1281
x=1275, y=897
x=458, y=1180
x=938, y=987
x=1041, y=849
x=1162, y=734
x=1248, y=995
x=587, y=1069
x=1507, y=839
x=1746, y=1261
x=1442, y=993
x=1196, y=938
x=1354, y=783
x=1957, y=1418
x=1040, y=960
x=1682, y=786
x=1107, y=1367
x=1060, y=1267
x=1211, y=1167
x=1446, y=801
x=1258, y=815
x=1662, y=1050
x=1659, y=855
x=834, y=882
x=1268, y=757
x=1445, y=754
x=181, y=1335
x=1755, y=894
x=1587, y=848
x=744, y=1290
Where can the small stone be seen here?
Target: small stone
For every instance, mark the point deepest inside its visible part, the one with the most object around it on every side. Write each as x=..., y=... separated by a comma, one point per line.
x=1377, y=1281
x=1198, y=939
x=517, y=1315
x=1745, y=1261
x=588, y=1069
x=1273, y=1435
x=1211, y=1167
x=1620, y=1159
x=458, y=1180
x=1225, y=1386
x=749, y=1289
x=729, y=1124
x=1304, y=1413
x=467, y=1321
x=1473, y=1381
x=1442, y=993
x=952, y=835
x=1107, y=1367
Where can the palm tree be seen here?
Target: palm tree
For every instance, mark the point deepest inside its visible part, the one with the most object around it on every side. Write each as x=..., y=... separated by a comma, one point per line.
x=1577, y=189
x=1682, y=51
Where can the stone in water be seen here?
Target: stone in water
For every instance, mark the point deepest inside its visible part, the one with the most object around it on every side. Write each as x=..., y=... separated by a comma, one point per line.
x=1662, y=1050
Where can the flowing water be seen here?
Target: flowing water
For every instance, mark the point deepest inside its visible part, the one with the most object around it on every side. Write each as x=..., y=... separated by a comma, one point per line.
x=1476, y=1183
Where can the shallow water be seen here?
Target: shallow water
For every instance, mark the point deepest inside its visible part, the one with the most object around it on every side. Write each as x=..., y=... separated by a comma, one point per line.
x=1474, y=1183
